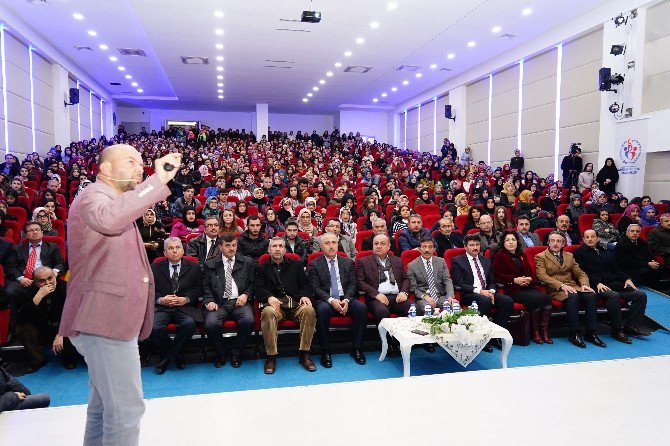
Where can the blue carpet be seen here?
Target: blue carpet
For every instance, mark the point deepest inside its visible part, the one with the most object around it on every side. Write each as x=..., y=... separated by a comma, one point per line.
x=71, y=387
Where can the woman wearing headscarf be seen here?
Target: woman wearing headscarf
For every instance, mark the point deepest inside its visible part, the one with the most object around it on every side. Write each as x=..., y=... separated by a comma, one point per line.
x=648, y=216
x=586, y=178
x=462, y=206
x=188, y=225
x=211, y=208
x=271, y=225
x=348, y=226
x=607, y=177
x=152, y=232
x=607, y=233
x=630, y=215
x=286, y=210
x=41, y=216
x=575, y=209
x=305, y=222
x=599, y=202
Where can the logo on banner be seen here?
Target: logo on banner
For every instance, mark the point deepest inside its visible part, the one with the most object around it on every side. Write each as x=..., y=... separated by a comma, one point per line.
x=630, y=153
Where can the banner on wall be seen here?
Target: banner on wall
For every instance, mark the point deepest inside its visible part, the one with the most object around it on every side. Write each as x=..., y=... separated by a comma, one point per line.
x=631, y=156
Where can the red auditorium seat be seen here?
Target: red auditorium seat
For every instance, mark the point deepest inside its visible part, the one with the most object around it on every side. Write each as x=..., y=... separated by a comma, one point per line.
x=314, y=255
x=459, y=221
x=586, y=222
x=645, y=232
x=543, y=232
x=426, y=209
x=360, y=236
x=408, y=256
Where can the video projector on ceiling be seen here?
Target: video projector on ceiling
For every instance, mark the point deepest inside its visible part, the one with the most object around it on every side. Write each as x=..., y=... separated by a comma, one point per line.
x=311, y=17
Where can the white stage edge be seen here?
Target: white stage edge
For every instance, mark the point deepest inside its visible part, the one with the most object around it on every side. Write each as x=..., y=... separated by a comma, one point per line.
x=619, y=402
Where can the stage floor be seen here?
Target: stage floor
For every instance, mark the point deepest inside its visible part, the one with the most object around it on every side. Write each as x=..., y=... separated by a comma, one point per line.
x=618, y=402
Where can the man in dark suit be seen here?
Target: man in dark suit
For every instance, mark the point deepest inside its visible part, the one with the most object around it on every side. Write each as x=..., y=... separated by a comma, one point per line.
x=378, y=227
x=8, y=262
x=473, y=273
x=285, y=292
x=334, y=285
x=429, y=278
x=563, y=226
x=30, y=255
x=447, y=238
x=206, y=245
x=633, y=256
x=382, y=278
x=294, y=243
x=227, y=295
x=410, y=237
x=178, y=285
x=526, y=238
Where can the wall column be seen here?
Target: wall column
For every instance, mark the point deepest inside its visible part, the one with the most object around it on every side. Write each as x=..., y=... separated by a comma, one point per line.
x=262, y=121
x=61, y=88
x=458, y=102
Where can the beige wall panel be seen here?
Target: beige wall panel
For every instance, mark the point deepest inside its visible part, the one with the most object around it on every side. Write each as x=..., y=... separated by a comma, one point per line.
x=582, y=51
x=477, y=111
x=656, y=93
x=44, y=120
x=587, y=134
x=478, y=151
x=503, y=149
x=42, y=69
x=505, y=103
x=543, y=166
x=580, y=80
x=656, y=178
x=477, y=91
x=658, y=18
x=477, y=133
x=43, y=142
x=20, y=138
x=538, y=119
x=581, y=109
x=506, y=80
x=538, y=145
x=539, y=93
x=43, y=94
x=18, y=110
x=540, y=67
x=18, y=82
x=504, y=127
x=16, y=53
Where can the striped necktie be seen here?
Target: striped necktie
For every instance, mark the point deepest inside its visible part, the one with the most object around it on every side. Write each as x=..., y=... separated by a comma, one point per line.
x=432, y=289
x=229, y=279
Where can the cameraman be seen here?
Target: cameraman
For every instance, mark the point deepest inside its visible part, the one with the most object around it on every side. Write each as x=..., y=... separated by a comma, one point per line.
x=572, y=166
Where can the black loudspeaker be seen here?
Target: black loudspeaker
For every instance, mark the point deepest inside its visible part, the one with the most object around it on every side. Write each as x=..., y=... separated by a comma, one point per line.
x=604, y=76
x=447, y=112
x=74, y=96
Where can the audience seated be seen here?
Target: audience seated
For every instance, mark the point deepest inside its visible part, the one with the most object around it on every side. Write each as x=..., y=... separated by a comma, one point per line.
x=410, y=237
x=252, y=243
x=344, y=243
x=16, y=396
x=635, y=259
x=659, y=240
x=206, y=245
x=446, y=238
x=429, y=279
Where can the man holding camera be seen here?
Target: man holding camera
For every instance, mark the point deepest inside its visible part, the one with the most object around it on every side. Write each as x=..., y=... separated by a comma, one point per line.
x=572, y=166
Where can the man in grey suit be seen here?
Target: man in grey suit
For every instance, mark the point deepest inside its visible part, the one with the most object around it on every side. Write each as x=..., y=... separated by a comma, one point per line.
x=526, y=237
x=334, y=284
x=344, y=243
x=429, y=278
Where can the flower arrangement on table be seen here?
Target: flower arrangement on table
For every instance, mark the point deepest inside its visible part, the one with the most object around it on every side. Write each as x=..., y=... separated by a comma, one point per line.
x=467, y=320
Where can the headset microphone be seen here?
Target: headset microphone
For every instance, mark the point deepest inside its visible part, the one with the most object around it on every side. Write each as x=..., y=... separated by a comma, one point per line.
x=114, y=179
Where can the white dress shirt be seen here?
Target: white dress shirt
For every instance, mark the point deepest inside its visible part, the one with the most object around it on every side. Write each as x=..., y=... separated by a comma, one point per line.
x=477, y=283
x=386, y=287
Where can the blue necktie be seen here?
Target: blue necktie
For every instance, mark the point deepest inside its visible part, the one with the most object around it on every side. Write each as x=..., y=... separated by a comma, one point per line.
x=334, y=288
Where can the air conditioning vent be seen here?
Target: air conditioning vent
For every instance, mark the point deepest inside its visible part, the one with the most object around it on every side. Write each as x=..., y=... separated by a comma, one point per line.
x=275, y=66
x=193, y=60
x=408, y=68
x=508, y=36
x=279, y=61
x=357, y=69
x=446, y=69
x=116, y=84
x=83, y=48
x=132, y=52
x=289, y=20
x=294, y=30
x=39, y=2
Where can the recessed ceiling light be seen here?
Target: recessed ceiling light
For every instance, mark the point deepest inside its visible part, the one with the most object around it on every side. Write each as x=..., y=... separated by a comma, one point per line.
x=92, y=33
x=347, y=53
x=329, y=74
x=113, y=58
x=374, y=25
x=471, y=44
x=218, y=32
x=220, y=84
x=321, y=81
x=219, y=91
x=496, y=29
x=218, y=14
x=527, y=11
x=338, y=64
x=219, y=77
x=122, y=68
x=360, y=40
x=405, y=82
x=418, y=75
x=220, y=96
x=391, y=6
x=310, y=94
x=78, y=16
x=375, y=100
x=315, y=88
x=134, y=84
x=451, y=56
x=394, y=88
x=219, y=46
x=433, y=66
x=305, y=100
x=128, y=76
x=139, y=90
x=384, y=95
x=219, y=68
x=102, y=46
x=219, y=58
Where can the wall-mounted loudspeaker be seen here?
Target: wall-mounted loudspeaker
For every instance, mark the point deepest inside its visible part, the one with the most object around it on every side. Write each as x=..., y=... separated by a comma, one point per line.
x=447, y=112
x=74, y=96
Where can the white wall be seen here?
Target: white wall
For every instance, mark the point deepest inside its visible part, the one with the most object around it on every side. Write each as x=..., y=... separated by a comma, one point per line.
x=288, y=122
x=377, y=124
x=656, y=93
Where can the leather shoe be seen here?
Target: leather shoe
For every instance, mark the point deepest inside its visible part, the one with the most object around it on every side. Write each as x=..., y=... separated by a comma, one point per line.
x=488, y=348
x=576, y=339
x=594, y=339
x=497, y=343
x=69, y=365
x=162, y=366
x=326, y=360
x=621, y=337
x=180, y=362
x=307, y=362
x=220, y=361
x=235, y=361
x=36, y=367
x=270, y=365
x=358, y=356
x=430, y=348
x=635, y=331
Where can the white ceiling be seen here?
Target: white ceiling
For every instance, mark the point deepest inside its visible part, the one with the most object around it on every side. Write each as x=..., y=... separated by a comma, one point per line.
x=414, y=33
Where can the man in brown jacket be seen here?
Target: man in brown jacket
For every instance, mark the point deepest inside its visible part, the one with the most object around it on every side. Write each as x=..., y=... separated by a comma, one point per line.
x=566, y=282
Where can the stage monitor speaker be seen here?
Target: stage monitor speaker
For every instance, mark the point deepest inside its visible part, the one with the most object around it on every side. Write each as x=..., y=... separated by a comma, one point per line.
x=74, y=96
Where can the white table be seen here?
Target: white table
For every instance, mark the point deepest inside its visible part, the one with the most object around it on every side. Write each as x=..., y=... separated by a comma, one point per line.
x=401, y=329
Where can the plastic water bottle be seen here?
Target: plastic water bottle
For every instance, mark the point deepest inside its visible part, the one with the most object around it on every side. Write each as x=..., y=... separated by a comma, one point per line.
x=457, y=307
x=427, y=310
x=446, y=308
x=474, y=306
x=412, y=311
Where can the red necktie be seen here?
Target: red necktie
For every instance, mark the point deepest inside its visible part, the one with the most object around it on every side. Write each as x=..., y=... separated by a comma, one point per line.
x=479, y=273
x=30, y=266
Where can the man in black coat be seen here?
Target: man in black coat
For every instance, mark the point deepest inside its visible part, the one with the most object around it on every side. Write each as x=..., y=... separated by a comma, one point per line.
x=252, y=243
x=227, y=295
x=178, y=284
x=8, y=262
x=571, y=166
x=633, y=256
x=447, y=238
x=296, y=244
x=613, y=284
x=334, y=284
x=16, y=396
x=474, y=274
x=206, y=245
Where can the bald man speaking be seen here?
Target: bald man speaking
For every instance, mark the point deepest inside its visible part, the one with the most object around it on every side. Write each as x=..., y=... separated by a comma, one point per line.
x=109, y=304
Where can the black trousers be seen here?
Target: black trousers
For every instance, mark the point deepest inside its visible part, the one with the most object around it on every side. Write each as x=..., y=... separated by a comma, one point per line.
x=532, y=299
x=159, y=335
x=572, y=303
x=504, y=304
x=35, y=337
x=244, y=316
x=380, y=311
x=357, y=311
x=637, y=303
